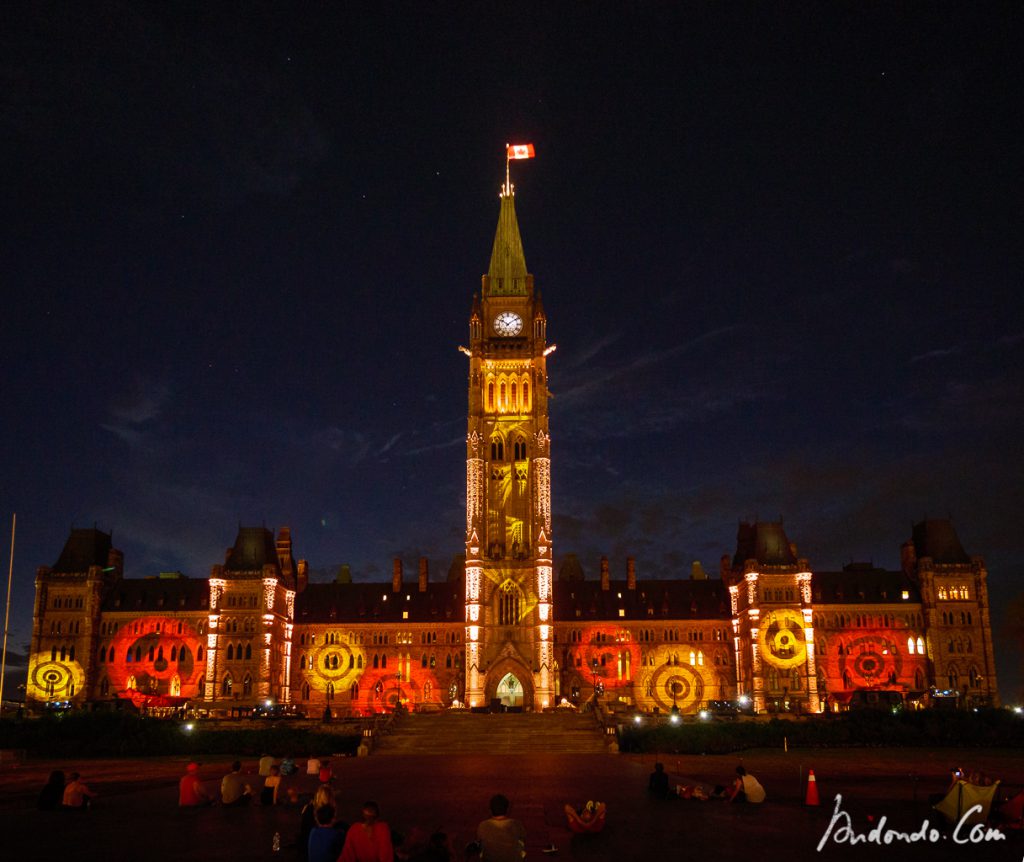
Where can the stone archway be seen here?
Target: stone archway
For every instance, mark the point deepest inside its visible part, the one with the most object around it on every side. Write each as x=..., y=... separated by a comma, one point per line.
x=510, y=691
x=510, y=684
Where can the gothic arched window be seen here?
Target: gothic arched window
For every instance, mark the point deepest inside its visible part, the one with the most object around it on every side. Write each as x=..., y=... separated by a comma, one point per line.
x=509, y=604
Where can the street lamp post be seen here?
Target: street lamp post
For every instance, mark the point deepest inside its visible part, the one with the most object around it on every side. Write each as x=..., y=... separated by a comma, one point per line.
x=597, y=685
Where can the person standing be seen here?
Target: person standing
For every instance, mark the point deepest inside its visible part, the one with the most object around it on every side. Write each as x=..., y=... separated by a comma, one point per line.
x=190, y=789
x=370, y=840
x=501, y=838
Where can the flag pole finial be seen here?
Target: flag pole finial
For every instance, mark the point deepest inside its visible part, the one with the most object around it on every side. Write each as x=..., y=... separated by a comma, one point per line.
x=508, y=185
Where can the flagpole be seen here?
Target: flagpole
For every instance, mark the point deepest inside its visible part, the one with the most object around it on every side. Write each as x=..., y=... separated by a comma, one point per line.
x=508, y=184
x=7, y=612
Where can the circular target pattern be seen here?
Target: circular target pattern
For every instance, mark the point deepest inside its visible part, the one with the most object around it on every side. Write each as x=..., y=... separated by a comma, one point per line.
x=334, y=663
x=678, y=685
x=159, y=637
x=871, y=659
x=781, y=639
x=54, y=680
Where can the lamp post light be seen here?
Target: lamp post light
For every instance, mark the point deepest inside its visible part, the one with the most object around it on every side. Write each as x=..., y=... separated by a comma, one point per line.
x=398, y=682
x=598, y=688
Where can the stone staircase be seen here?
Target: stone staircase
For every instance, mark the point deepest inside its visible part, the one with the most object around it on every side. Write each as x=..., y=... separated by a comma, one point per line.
x=502, y=733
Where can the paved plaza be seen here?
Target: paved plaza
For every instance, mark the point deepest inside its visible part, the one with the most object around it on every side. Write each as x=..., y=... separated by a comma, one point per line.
x=136, y=817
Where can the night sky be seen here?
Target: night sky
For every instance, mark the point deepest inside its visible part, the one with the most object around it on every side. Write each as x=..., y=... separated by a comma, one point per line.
x=780, y=254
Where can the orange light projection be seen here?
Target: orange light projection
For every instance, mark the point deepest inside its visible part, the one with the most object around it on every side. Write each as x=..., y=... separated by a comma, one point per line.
x=155, y=654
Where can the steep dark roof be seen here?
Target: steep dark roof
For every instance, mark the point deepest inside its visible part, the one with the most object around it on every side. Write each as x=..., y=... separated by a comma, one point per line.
x=158, y=595
x=651, y=600
x=765, y=542
x=254, y=548
x=84, y=548
x=937, y=539
x=861, y=583
x=365, y=603
x=506, y=275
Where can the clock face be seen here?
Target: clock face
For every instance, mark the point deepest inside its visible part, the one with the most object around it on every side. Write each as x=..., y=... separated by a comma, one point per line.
x=508, y=323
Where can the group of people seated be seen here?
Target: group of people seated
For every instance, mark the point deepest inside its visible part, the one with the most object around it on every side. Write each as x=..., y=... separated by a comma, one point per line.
x=72, y=794
x=744, y=788
x=236, y=789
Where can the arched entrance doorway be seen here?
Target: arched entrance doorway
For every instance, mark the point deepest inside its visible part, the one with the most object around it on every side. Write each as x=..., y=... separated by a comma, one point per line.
x=510, y=691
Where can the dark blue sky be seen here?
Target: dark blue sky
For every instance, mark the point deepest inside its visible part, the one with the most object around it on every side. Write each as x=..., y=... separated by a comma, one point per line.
x=780, y=255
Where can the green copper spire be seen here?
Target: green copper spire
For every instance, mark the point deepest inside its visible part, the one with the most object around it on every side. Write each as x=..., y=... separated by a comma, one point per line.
x=506, y=275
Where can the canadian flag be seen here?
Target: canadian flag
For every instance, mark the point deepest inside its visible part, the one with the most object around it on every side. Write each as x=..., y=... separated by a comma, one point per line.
x=520, y=151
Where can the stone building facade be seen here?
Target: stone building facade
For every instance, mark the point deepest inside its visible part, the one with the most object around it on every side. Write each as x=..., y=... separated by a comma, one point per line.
x=501, y=626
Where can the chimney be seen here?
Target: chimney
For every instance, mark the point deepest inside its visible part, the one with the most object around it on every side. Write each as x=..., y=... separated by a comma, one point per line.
x=303, y=576
x=725, y=567
x=396, y=575
x=908, y=559
x=115, y=560
x=630, y=573
x=284, y=544
x=424, y=574
x=604, y=573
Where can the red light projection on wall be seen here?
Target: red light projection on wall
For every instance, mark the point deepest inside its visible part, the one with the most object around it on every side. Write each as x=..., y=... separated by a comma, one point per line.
x=156, y=654
x=607, y=652
x=382, y=690
x=870, y=659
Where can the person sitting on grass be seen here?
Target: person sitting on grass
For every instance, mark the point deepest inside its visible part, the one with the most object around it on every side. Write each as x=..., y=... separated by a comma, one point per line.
x=77, y=794
x=272, y=783
x=325, y=841
x=233, y=789
x=52, y=794
x=746, y=788
x=657, y=784
x=190, y=789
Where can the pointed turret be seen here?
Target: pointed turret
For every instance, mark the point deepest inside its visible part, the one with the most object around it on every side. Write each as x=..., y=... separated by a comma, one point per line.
x=507, y=276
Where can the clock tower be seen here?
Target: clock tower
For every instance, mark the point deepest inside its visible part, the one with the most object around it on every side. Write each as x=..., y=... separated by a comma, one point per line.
x=509, y=629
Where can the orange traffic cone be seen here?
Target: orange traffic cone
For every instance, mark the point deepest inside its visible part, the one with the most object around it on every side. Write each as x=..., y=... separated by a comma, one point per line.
x=812, y=789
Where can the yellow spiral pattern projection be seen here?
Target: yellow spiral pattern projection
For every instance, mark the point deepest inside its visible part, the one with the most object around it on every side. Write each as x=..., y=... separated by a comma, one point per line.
x=337, y=664
x=676, y=683
x=781, y=639
x=54, y=680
